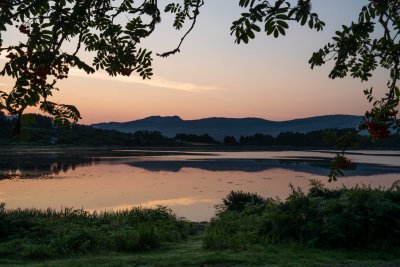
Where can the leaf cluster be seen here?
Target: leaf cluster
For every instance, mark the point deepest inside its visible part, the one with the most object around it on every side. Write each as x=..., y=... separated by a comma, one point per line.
x=273, y=17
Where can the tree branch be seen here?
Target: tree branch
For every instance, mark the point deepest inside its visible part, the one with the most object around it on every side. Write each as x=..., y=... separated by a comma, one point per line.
x=177, y=49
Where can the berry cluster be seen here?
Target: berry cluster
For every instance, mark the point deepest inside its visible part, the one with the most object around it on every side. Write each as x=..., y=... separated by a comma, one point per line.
x=126, y=71
x=25, y=30
x=377, y=129
x=378, y=121
x=37, y=75
x=11, y=56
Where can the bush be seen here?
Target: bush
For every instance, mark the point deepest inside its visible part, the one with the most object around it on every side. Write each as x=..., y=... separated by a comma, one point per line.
x=237, y=201
x=359, y=217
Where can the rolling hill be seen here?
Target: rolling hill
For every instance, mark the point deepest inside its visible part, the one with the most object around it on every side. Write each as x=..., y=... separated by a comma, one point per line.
x=220, y=127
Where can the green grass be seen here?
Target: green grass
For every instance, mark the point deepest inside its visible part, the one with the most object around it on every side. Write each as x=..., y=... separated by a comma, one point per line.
x=192, y=253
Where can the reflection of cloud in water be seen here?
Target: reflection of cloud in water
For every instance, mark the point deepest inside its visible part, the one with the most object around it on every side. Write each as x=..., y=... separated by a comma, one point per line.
x=184, y=201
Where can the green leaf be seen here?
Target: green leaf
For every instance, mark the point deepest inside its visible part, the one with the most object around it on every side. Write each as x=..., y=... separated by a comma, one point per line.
x=397, y=91
x=303, y=20
x=250, y=34
x=276, y=33
x=254, y=27
x=283, y=24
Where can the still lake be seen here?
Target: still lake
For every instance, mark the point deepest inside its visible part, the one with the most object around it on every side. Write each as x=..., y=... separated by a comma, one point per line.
x=190, y=182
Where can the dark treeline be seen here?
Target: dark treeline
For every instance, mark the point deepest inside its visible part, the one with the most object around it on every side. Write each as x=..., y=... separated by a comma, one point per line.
x=320, y=139
x=194, y=138
x=314, y=138
x=40, y=129
x=5, y=126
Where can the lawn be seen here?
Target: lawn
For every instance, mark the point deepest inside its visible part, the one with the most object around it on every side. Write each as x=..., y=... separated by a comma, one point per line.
x=192, y=253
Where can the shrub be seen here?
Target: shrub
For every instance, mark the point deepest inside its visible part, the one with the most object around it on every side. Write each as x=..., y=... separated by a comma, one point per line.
x=237, y=201
x=359, y=217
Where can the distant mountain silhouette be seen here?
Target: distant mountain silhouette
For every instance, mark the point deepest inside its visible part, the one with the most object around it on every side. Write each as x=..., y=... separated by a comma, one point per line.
x=220, y=127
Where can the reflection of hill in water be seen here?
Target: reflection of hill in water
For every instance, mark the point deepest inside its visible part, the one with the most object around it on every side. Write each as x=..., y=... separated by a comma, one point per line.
x=40, y=166
x=45, y=165
x=311, y=166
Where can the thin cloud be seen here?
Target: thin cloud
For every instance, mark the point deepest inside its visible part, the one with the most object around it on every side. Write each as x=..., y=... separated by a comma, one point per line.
x=156, y=82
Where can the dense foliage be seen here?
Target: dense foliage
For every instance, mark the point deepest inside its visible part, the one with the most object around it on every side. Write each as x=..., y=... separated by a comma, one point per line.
x=359, y=217
x=36, y=234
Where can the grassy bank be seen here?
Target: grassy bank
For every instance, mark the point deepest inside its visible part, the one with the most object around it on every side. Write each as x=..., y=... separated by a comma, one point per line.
x=192, y=253
x=323, y=227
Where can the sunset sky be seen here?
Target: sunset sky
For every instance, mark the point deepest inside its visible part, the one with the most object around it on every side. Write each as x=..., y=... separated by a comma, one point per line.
x=214, y=77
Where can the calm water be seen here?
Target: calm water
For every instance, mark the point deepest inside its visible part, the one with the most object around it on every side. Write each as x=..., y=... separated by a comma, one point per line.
x=189, y=182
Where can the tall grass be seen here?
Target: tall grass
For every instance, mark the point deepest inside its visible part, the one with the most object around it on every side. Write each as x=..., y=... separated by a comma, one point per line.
x=37, y=234
x=359, y=217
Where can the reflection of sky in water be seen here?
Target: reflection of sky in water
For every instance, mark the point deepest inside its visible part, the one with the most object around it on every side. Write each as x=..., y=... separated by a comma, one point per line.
x=189, y=184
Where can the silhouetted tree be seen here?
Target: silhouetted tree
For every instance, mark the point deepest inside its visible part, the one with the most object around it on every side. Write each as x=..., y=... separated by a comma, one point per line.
x=37, y=121
x=5, y=126
x=230, y=141
x=193, y=138
x=257, y=140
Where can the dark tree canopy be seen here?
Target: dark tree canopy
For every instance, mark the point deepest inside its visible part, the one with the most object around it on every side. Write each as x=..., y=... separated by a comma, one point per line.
x=358, y=49
x=111, y=30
